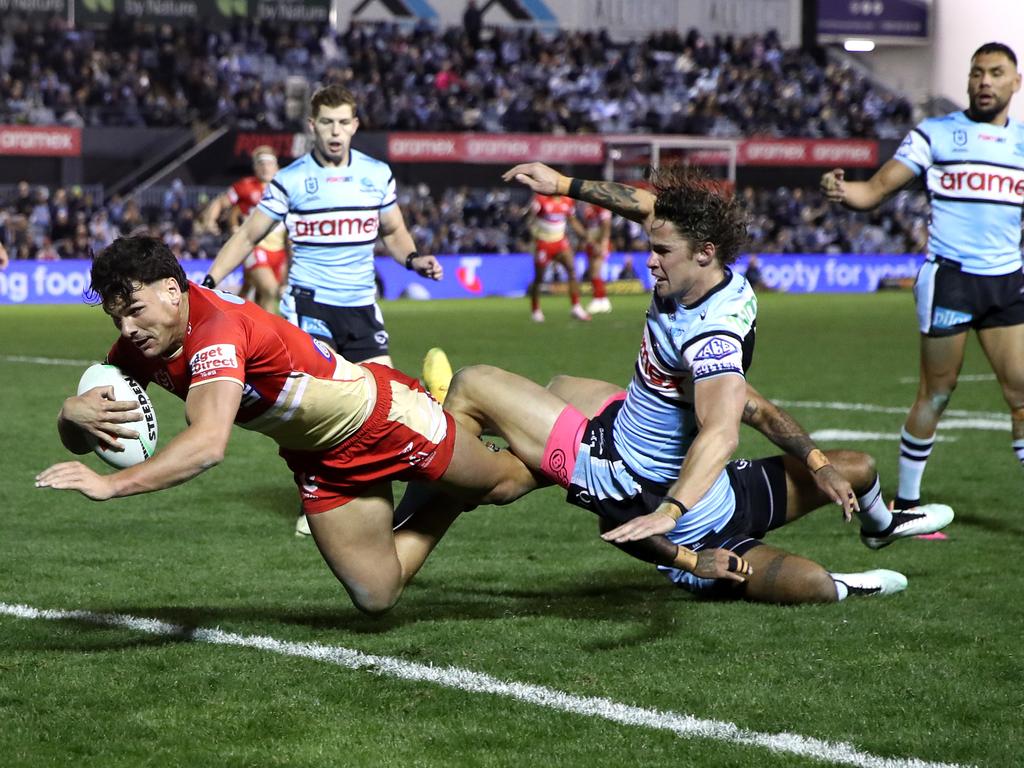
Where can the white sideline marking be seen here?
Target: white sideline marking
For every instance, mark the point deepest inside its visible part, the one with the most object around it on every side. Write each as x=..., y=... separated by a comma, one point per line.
x=43, y=360
x=682, y=725
x=852, y=434
x=869, y=408
x=967, y=377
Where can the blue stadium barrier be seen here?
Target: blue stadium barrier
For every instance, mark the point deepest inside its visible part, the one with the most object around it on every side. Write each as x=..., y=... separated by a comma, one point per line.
x=476, y=275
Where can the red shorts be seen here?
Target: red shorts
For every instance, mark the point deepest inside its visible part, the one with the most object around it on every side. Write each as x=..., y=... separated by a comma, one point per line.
x=276, y=261
x=596, y=253
x=545, y=250
x=390, y=445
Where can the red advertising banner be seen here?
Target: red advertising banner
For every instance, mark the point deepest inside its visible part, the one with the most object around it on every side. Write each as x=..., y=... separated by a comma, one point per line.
x=493, y=148
x=849, y=153
x=40, y=140
x=285, y=145
x=519, y=147
x=820, y=153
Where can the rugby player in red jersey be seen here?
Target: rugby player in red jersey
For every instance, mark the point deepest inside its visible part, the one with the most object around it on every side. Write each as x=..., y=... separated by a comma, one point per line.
x=345, y=430
x=266, y=267
x=549, y=216
x=597, y=223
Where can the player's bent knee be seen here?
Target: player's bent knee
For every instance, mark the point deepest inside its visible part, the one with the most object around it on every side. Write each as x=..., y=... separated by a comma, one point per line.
x=374, y=603
x=857, y=467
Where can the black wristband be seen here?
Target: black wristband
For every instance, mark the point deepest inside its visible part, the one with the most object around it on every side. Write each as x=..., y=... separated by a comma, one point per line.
x=409, y=258
x=675, y=502
x=575, y=185
x=208, y=282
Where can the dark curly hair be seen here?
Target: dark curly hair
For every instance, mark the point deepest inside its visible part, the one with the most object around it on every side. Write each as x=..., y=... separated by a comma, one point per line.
x=700, y=209
x=127, y=263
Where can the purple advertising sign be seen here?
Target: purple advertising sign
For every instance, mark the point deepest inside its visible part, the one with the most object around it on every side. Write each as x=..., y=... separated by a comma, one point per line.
x=873, y=18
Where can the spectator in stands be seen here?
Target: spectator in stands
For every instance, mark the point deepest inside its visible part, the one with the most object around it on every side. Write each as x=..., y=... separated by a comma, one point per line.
x=424, y=78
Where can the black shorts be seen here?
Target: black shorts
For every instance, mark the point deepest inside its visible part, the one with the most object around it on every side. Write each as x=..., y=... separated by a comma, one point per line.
x=760, y=488
x=357, y=333
x=950, y=301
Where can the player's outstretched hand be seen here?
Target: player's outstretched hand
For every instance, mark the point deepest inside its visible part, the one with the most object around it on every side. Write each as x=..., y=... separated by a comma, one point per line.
x=75, y=476
x=428, y=266
x=836, y=487
x=98, y=413
x=833, y=185
x=721, y=564
x=641, y=527
x=537, y=176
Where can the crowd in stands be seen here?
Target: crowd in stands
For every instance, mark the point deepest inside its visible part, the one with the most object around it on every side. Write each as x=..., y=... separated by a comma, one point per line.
x=38, y=223
x=422, y=78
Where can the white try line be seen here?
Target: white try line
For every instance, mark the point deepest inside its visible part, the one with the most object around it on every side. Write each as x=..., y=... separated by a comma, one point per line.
x=685, y=726
x=44, y=360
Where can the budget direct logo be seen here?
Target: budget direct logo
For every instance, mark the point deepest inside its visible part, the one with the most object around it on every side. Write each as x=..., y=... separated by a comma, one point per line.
x=210, y=360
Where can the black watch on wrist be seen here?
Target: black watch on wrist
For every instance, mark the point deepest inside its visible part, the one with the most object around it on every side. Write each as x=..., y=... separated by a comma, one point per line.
x=409, y=258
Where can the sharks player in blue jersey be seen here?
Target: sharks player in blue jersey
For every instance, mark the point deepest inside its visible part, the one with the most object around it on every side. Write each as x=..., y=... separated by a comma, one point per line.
x=973, y=168
x=335, y=202
x=653, y=462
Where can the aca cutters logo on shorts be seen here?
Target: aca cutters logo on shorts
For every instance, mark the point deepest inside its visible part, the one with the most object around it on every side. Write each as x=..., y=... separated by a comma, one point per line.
x=716, y=349
x=214, y=359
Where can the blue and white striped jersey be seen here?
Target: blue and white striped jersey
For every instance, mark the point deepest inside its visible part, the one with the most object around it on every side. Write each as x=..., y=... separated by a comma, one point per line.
x=682, y=345
x=657, y=423
x=333, y=220
x=974, y=174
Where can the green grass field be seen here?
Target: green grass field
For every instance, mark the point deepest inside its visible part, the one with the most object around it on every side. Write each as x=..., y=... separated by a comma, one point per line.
x=525, y=594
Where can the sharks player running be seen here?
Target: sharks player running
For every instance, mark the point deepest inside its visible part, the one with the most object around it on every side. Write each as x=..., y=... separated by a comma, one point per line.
x=335, y=201
x=973, y=166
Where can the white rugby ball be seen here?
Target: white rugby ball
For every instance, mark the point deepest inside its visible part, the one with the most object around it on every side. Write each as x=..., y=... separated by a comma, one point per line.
x=125, y=388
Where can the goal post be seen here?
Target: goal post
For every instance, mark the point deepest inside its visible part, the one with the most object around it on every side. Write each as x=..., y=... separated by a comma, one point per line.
x=628, y=157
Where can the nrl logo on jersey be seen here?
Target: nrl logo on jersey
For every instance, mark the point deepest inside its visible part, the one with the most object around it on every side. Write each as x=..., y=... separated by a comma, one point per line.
x=311, y=186
x=716, y=349
x=960, y=138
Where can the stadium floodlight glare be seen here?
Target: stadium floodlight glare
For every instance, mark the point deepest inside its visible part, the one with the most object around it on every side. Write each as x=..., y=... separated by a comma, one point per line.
x=859, y=46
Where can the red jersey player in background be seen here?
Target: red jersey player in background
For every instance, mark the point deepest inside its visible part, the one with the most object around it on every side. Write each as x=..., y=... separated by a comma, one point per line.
x=549, y=216
x=266, y=267
x=597, y=223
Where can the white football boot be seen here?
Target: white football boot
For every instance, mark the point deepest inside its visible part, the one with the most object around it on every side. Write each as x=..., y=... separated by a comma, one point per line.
x=871, y=583
x=928, y=518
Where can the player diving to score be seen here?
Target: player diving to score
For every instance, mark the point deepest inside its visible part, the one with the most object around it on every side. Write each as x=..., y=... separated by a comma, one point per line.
x=345, y=430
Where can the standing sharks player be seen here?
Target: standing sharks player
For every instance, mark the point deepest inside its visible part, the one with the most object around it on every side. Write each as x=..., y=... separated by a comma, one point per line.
x=973, y=165
x=335, y=201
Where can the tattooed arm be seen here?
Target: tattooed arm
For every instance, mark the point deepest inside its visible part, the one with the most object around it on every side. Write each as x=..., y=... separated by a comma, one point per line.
x=784, y=431
x=630, y=202
x=777, y=425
